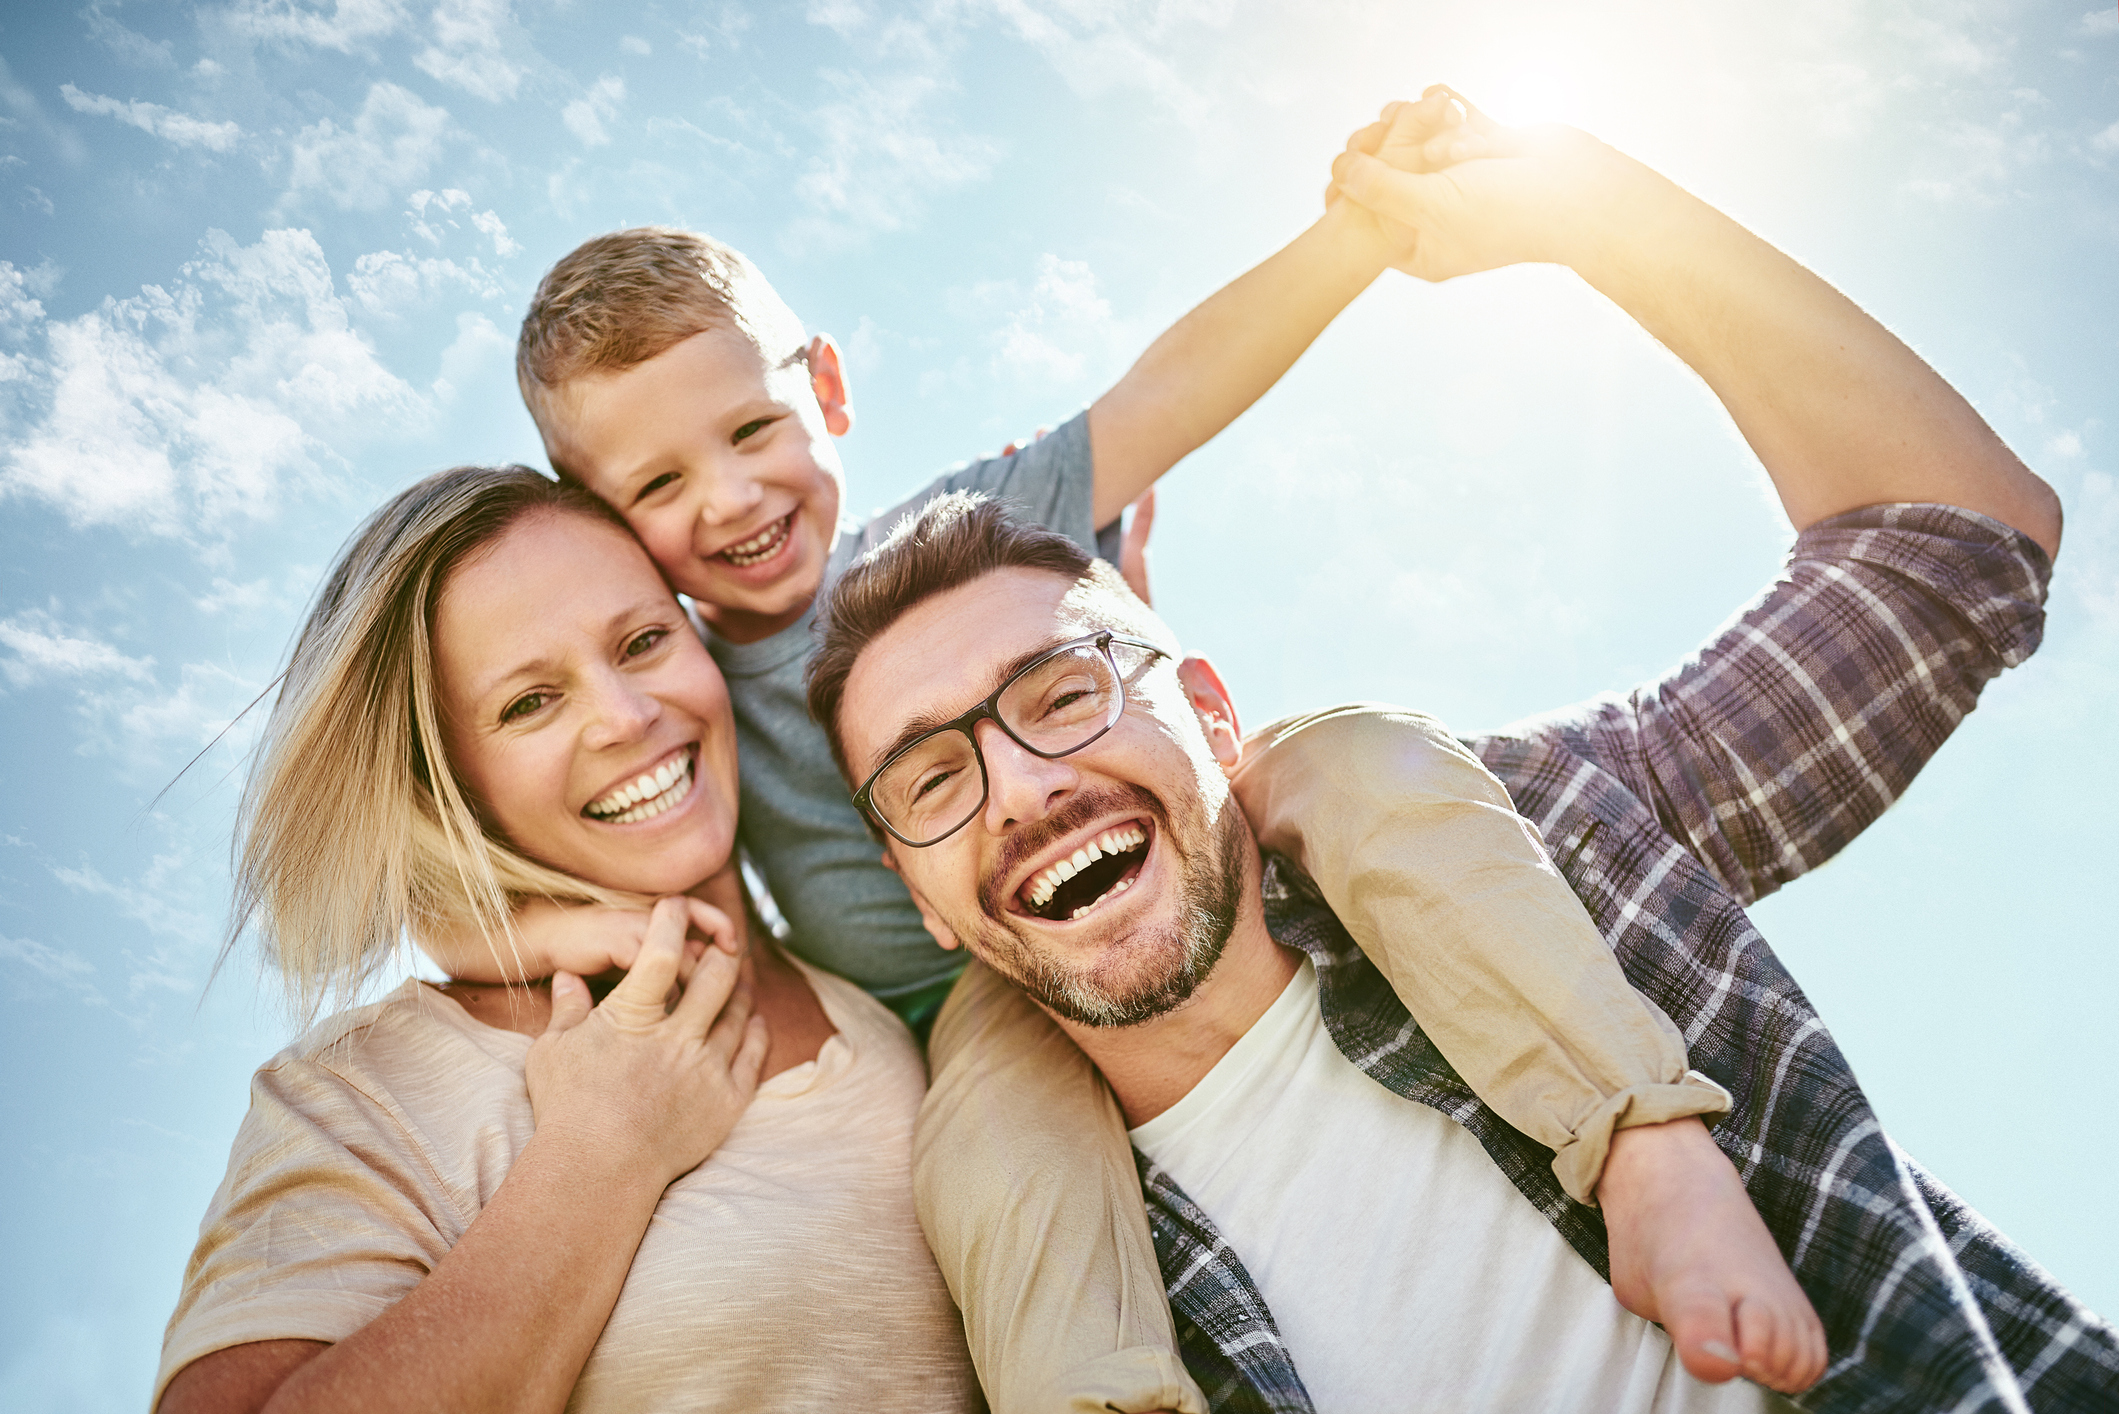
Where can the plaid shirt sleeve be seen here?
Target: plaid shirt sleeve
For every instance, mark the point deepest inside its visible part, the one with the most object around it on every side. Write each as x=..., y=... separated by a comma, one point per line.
x=1805, y=716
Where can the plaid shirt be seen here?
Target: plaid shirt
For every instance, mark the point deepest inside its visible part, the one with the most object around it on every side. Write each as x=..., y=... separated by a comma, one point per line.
x=1668, y=809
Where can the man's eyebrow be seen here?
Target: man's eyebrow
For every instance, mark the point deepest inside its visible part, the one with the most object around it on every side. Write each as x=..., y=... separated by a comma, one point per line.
x=919, y=726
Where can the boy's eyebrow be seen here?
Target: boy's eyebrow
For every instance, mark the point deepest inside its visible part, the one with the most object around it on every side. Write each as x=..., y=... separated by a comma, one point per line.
x=925, y=722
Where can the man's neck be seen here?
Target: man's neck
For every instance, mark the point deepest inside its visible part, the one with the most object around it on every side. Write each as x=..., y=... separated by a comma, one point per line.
x=1154, y=1065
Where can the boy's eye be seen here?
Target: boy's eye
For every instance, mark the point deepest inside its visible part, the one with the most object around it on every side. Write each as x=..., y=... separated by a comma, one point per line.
x=524, y=705
x=655, y=485
x=642, y=642
x=752, y=428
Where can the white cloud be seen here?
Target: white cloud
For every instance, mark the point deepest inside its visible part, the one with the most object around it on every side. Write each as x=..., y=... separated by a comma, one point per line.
x=1062, y=324
x=1098, y=47
x=349, y=25
x=150, y=901
x=2108, y=140
x=2100, y=23
x=496, y=230
x=394, y=139
x=51, y=967
x=477, y=346
x=468, y=49
x=389, y=284
x=128, y=45
x=43, y=650
x=165, y=123
x=634, y=44
x=179, y=411
x=879, y=158
x=585, y=116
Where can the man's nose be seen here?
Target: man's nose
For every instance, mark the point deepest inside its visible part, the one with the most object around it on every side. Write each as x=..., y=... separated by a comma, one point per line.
x=1021, y=786
x=621, y=712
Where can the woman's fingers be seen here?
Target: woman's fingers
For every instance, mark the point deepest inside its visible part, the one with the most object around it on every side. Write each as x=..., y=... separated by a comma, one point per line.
x=643, y=996
x=570, y=1003
x=716, y=925
x=707, y=994
x=725, y=1035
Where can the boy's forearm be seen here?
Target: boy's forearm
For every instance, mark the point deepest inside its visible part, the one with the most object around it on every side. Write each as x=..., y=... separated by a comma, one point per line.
x=1222, y=357
x=1840, y=411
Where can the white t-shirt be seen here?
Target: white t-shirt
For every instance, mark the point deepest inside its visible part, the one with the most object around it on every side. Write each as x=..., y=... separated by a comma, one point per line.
x=786, y=1272
x=1403, y=1269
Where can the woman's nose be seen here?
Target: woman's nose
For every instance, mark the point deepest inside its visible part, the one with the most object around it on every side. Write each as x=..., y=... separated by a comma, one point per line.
x=623, y=713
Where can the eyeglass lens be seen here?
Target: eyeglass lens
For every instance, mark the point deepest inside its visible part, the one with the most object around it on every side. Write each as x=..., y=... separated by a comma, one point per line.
x=1059, y=704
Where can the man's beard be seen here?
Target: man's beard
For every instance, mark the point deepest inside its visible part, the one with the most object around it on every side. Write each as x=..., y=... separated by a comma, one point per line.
x=1156, y=968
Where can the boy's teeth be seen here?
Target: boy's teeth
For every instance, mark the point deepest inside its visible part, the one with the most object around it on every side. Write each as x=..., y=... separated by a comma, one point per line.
x=1118, y=840
x=646, y=796
x=760, y=547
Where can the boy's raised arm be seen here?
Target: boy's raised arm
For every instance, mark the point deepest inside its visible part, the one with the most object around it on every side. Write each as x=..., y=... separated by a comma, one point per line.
x=1222, y=357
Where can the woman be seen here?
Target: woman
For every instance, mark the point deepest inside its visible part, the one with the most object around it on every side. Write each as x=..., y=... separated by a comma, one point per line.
x=444, y=1199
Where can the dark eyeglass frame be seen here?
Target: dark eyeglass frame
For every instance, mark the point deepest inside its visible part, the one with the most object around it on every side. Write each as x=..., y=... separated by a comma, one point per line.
x=989, y=711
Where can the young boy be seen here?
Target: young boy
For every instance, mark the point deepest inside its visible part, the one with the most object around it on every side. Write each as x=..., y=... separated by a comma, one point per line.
x=666, y=375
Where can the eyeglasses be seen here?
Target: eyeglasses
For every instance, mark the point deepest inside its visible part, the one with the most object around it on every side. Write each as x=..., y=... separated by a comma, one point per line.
x=1064, y=700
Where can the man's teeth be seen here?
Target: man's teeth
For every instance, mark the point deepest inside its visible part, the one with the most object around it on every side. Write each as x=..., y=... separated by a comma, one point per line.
x=647, y=796
x=1118, y=840
x=760, y=547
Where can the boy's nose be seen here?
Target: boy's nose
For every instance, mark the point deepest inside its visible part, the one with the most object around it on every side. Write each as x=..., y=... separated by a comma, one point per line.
x=729, y=498
x=1021, y=786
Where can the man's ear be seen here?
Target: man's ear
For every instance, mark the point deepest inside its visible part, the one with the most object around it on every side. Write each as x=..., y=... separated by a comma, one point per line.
x=936, y=928
x=827, y=379
x=1216, y=710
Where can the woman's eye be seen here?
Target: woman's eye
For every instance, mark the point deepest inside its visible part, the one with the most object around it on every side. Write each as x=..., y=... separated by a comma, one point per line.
x=752, y=428
x=523, y=706
x=641, y=643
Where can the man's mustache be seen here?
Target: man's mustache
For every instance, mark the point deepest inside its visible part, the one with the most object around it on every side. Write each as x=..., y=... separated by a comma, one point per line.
x=1033, y=839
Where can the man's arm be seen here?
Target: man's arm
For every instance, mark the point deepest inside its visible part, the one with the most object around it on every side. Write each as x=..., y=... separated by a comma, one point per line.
x=1223, y=356
x=1842, y=414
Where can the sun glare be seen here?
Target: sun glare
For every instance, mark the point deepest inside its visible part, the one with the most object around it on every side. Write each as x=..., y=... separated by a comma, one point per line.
x=1530, y=94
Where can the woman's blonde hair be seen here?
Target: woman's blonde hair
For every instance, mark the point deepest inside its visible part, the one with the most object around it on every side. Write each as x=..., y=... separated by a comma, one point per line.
x=353, y=833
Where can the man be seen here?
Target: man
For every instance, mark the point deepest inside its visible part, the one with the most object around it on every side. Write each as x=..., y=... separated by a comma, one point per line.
x=1336, y=1238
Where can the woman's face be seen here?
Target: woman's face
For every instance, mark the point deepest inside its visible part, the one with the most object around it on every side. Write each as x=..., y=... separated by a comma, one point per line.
x=583, y=716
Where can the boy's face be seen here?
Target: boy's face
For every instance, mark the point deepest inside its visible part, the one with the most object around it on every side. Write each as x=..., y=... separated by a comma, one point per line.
x=722, y=464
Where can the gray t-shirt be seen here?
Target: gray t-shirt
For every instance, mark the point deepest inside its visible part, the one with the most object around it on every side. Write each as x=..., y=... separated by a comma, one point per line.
x=846, y=912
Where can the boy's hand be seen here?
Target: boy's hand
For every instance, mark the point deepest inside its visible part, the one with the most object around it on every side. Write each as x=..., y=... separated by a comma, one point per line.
x=1480, y=195
x=1133, y=546
x=584, y=939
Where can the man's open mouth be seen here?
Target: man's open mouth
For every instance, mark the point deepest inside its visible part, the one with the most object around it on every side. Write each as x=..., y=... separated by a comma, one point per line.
x=647, y=795
x=762, y=546
x=1097, y=872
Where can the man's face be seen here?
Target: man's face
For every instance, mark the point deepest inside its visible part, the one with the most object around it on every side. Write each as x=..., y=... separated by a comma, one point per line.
x=722, y=463
x=1130, y=934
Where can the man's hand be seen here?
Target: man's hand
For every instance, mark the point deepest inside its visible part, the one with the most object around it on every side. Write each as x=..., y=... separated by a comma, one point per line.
x=1479, y=195
x=640, y=1075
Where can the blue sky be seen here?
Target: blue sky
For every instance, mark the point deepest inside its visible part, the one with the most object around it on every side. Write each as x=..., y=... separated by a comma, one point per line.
x=263, y=263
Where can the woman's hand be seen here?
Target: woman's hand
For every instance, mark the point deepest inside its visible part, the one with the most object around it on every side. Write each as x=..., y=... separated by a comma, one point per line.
x=645, y=1074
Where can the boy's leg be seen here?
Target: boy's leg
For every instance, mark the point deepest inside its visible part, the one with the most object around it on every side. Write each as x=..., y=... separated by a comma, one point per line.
x=1419, y=851
x=1027, y=1190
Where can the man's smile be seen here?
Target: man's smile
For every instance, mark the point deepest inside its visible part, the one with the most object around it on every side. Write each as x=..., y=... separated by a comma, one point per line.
x=1081, y=874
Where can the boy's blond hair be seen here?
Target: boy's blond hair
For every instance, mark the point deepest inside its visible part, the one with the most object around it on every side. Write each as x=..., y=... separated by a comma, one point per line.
x=619, y=300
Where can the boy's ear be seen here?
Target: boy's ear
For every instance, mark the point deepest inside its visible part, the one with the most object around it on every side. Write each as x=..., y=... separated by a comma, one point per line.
x=827, y=379
x=1216, y=711
x=936, y=928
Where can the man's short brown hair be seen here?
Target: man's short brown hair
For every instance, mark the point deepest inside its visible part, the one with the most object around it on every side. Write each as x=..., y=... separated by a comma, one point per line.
x=950, y=541
x=619, y=300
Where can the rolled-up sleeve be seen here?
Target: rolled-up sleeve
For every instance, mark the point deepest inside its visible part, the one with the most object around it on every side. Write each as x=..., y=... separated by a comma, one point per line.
x=1803, y=718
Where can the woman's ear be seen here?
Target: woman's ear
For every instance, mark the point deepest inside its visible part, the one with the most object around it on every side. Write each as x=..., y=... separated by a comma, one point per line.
x=1216, y=711
x=827, y=379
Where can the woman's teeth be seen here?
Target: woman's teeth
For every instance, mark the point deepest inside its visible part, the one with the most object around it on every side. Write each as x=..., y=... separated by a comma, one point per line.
x=646, y=797
x=1121, y=839
x=762, y=546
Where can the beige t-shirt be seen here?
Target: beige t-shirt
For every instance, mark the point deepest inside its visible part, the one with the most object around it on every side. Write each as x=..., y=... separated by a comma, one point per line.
x=786, y=1272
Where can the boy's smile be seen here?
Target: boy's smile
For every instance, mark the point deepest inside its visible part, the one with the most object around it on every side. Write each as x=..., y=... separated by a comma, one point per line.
x=722, y=463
